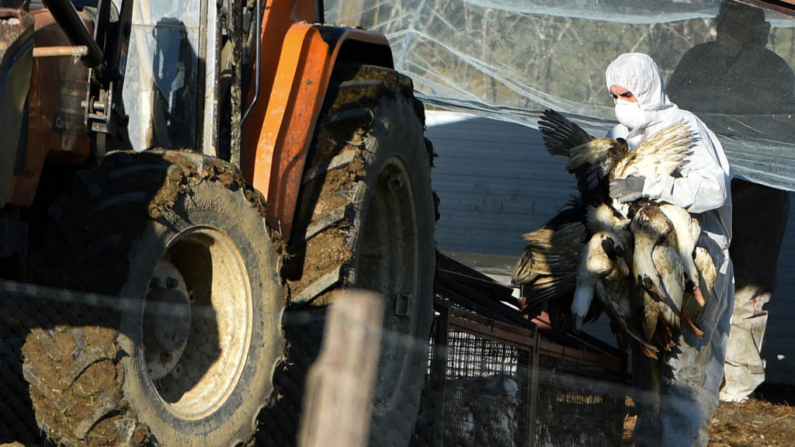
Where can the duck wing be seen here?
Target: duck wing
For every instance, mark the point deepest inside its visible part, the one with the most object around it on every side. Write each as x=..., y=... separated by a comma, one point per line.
x=593, y=161
x=560, y=134
x=650, y=315
x=708, y=273
x=548, y=266
x=662, y=153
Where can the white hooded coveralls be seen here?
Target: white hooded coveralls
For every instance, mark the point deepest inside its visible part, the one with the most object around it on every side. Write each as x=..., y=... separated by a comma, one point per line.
x=692, y=374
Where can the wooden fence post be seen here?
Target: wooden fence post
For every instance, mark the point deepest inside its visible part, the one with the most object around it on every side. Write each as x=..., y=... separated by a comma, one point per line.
x=339, y=385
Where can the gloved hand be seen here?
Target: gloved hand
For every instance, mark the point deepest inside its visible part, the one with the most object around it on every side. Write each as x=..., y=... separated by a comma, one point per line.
x=627, y=189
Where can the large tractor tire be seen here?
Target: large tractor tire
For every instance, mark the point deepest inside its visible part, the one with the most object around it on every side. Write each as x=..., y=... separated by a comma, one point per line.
x=366, y=220
x=178, y=344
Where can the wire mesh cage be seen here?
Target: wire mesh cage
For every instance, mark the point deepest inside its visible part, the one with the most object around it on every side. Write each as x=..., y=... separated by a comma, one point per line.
x=576, y=404
x=487, y=391
x=479, y=381
x=498, y=384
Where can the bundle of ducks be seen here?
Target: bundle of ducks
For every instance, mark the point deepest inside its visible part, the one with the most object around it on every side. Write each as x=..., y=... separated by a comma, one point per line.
x=639, y=262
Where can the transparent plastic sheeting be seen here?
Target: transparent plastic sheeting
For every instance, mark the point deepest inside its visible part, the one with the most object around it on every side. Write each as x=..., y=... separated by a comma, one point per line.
x=509, y=60
x=160, y=89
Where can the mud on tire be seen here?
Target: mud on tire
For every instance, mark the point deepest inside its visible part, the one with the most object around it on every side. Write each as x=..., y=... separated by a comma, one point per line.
x=182, y=347
x=366, y=220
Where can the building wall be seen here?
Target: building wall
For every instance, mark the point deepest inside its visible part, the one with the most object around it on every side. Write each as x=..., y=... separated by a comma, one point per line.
x=496, y=181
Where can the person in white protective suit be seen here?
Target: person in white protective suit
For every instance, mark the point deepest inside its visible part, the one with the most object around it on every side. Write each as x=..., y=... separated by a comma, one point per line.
x=692, y=373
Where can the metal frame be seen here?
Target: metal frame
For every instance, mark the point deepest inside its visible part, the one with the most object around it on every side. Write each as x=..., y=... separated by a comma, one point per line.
x=210, y=51
x=494, y=315
x=452, y=319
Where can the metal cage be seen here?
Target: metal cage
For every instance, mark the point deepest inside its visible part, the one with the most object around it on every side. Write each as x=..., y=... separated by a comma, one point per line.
x=513, y=382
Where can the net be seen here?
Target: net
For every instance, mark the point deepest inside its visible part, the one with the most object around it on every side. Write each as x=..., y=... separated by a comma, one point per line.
x=730, y=64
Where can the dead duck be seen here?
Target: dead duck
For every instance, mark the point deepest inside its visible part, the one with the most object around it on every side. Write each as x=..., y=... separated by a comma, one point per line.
x=660, y=322
x=604, y=217
x=597, y=161
x=659, y=269
x=604, y=275
x=616, y=290
x=621, y=302
x=687, y=231
x=550, y=258
x=672, y=280
x=650, y=228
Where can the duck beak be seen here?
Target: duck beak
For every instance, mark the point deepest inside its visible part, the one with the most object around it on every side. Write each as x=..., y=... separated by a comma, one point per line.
x=652, y=287
x=622, y=266
x=578, y=320
x=658, y=292
x=666, y=297
x=699, y=297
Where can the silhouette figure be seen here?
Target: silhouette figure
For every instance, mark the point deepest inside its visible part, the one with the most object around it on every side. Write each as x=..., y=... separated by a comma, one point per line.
x=736, y=86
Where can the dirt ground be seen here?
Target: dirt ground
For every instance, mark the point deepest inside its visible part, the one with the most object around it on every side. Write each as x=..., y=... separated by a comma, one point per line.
x=760, y=422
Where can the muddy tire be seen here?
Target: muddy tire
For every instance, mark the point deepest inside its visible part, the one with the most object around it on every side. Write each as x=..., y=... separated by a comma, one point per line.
x=180, y=348
x=366, y=220
x=16, y=418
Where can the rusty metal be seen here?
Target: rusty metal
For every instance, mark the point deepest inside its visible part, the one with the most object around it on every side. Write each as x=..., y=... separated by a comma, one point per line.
x=534, y=380
x=578, y=404
x=470, y=299
x=55, y=130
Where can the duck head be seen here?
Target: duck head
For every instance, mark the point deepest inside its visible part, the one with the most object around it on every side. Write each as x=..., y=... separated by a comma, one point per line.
x=603, y=254
x=616, y=253
x=605, y=218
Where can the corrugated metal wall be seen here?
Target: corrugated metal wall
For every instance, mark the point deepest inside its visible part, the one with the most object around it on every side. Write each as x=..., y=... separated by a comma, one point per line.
x=496, y=181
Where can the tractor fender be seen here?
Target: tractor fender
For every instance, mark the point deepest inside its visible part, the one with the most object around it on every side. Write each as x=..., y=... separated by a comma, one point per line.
x=308, y=56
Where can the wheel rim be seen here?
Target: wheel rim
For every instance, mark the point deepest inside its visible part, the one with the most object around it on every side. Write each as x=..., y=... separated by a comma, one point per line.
x=388, y=264
x=197, y=322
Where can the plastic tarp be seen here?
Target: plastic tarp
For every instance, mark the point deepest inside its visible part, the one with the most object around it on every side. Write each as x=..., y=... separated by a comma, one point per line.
x=509, y=60
x=161, y=82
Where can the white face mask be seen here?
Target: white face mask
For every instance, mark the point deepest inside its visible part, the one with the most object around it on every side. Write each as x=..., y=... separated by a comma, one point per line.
x=631, y=115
